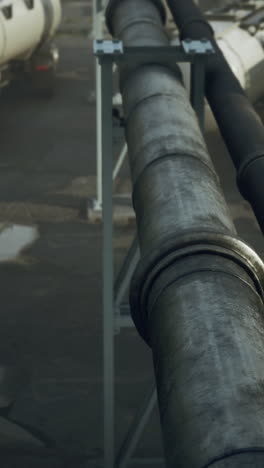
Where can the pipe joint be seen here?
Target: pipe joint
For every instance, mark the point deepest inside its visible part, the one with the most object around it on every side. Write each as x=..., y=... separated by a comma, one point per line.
x=192, y=253
x=141, y=165
x=172, y=134
x=114, y=4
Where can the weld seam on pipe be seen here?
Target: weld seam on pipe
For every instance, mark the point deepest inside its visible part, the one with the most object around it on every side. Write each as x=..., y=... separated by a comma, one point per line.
x=137, y=22
x=152, y=96
x=113, y=4
x=139, y=171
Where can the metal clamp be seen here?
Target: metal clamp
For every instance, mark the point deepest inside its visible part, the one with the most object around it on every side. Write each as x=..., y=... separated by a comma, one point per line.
x=197, y=47
x=101, y=47
x=193, y=51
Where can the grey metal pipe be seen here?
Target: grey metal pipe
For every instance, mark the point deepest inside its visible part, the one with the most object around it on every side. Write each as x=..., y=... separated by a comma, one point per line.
x=197, y=295
x=239, y=123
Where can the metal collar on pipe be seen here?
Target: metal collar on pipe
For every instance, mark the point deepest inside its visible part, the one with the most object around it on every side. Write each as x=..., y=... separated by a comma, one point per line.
x=174, y=250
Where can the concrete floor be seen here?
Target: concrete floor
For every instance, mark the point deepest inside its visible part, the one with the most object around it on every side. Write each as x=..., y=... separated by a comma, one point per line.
x=51, y=293
x=51, y=321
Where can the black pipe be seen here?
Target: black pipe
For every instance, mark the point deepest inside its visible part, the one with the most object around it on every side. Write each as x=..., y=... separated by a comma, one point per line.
x=197, y=295
x=240, y=126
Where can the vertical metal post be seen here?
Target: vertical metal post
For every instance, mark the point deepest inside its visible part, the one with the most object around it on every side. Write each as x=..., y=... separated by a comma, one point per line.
x=99, y=195
x=108, y=273
x=197, y=88
x=98, y=34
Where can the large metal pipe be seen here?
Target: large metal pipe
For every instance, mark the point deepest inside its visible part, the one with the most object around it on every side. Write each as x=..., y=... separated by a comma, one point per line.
x=240, y=125
x=197, y=296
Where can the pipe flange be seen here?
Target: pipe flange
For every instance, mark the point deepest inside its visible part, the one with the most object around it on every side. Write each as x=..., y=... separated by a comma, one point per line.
x=112, y=4
x=186, y=245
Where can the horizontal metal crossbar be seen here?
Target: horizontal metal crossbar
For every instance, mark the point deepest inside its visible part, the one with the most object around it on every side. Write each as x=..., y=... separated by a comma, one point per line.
x=187, y=51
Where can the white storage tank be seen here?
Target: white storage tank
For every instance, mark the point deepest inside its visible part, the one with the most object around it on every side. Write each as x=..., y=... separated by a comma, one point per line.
x=245, y=56
x=25, y=25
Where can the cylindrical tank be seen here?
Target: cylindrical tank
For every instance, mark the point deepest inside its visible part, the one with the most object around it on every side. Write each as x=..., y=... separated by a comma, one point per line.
x=245, y=56
x=26, y=24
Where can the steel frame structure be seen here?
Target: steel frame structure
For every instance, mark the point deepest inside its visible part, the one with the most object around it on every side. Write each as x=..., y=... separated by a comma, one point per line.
x=98, y=33
x=115, y=312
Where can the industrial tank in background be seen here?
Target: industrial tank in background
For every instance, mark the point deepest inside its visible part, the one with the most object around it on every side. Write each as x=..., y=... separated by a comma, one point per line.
x=26, y=31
